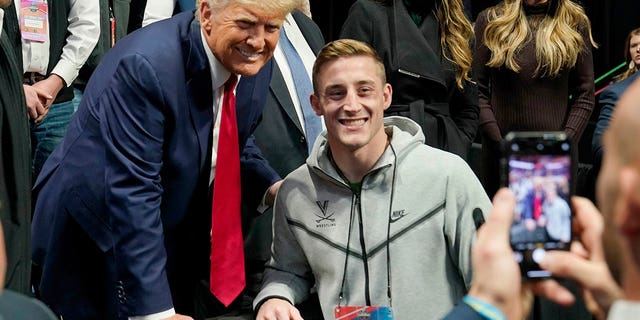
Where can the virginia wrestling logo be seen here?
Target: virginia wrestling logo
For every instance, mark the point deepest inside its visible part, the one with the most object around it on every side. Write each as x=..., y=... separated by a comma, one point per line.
x=325, y=219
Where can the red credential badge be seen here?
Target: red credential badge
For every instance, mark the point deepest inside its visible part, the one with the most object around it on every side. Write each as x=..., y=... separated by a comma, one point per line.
x=33, y=19
x=363, y=313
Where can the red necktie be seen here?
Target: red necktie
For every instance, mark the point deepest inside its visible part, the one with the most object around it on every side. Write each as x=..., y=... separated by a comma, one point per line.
x=227, y=277
x=537, y=206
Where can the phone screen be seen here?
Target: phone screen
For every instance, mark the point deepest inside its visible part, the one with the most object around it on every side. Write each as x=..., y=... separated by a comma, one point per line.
x=539, y=174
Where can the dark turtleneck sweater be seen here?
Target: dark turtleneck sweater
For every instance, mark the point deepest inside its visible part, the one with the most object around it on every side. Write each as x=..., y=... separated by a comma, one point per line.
x=511, y=101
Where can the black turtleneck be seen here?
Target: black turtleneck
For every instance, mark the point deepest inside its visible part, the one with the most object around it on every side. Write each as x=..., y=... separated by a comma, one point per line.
x=544, y=8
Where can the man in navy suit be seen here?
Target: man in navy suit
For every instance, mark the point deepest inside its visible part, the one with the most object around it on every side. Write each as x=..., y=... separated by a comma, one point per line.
x=122, y=224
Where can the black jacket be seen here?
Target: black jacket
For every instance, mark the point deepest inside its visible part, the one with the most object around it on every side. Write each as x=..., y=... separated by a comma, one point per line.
x=423, y=81
x=15, y=158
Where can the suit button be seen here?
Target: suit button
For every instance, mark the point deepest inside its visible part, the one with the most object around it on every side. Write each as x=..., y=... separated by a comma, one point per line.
x=302, y=139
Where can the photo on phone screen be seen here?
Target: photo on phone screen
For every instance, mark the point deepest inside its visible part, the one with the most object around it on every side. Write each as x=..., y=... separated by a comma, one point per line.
x=539, y=174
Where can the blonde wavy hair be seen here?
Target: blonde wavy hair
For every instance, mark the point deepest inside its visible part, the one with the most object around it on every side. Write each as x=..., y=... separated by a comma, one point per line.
x=455, y=35
x=558, y=39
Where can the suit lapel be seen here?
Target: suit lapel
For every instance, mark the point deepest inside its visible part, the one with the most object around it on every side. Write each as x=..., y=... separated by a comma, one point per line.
x=278, y=87
x=407, y=39
x=310, y=31
x=280, y=91
x=199, y=90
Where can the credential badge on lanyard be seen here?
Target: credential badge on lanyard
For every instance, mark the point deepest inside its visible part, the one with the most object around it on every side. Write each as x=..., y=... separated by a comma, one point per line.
x=363, y=313
x=34, y=19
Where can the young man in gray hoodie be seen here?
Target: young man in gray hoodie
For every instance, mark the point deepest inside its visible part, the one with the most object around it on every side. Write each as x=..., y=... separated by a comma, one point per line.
x=375, y=217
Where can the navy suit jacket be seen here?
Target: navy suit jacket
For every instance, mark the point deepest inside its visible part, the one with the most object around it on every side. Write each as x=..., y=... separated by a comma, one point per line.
x=607, y=102
x=134, y=166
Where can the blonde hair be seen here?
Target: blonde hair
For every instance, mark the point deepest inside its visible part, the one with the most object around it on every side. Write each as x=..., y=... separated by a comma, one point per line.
x=343, y=48
x=558, y=39
x=627, y=57
x=305, y=7
x=455, y=35
x=278, y=7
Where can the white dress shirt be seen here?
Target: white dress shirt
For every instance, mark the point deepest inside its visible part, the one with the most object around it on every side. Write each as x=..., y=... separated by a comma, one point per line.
x=84, y=30
x=219, y=75
x=158, y=10
x=1, y=20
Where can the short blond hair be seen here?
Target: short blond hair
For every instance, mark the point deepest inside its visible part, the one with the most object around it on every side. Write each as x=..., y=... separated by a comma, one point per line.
x=345, y=48
x=279, y=7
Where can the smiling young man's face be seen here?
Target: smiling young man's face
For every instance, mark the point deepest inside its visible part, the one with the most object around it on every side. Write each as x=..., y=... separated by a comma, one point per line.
x=352, y=97
x=242, y=37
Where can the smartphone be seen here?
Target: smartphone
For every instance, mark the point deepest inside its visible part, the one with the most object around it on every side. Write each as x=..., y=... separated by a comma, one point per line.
x=537, y=167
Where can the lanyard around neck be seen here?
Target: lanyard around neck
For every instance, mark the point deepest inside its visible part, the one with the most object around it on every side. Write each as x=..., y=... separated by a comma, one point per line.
x=351, y=218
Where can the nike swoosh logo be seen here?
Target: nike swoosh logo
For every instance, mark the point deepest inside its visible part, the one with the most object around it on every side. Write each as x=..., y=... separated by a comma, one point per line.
x=397, y=215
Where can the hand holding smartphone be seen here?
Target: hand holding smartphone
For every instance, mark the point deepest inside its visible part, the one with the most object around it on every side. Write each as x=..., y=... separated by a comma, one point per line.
x=537, y=167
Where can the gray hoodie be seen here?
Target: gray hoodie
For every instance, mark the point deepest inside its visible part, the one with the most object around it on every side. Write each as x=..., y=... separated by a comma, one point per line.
x=411, y=219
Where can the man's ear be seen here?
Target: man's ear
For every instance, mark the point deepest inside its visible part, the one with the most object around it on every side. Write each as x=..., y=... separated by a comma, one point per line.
x=629, y=218
x=387, y=94
x=205, y=15
x=315, y=104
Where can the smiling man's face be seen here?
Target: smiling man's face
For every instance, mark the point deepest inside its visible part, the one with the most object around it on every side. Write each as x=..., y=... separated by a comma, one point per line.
x=352, y=97
x=242, y=37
